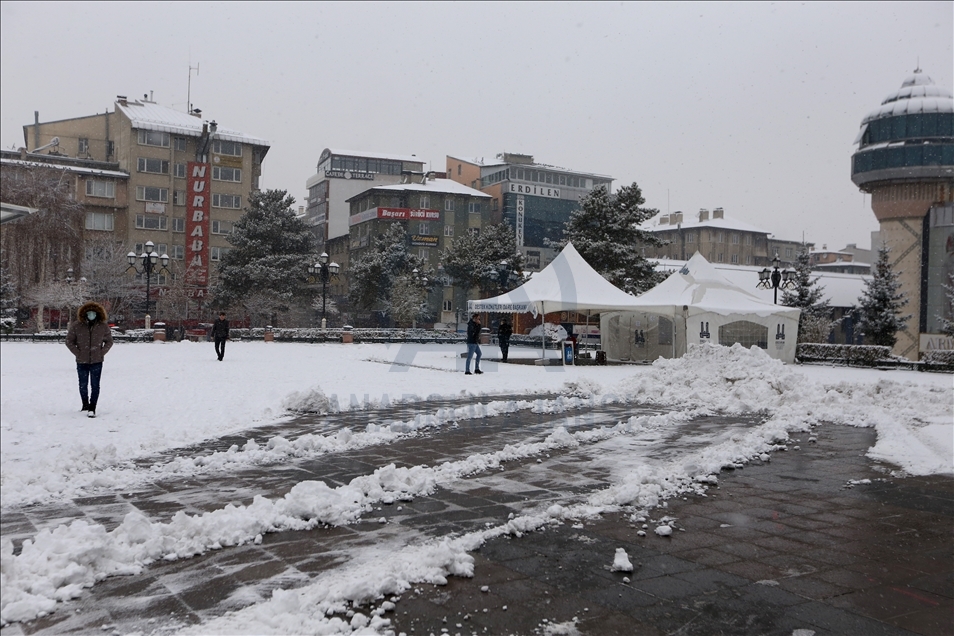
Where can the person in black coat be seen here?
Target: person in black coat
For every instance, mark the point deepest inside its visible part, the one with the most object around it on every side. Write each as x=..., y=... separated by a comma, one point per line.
x=473, y=344
x=220, y=333
x=504, y=331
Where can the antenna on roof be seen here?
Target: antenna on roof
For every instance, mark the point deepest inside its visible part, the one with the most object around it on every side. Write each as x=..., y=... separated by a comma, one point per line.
x=189, y=91
x=918, y=69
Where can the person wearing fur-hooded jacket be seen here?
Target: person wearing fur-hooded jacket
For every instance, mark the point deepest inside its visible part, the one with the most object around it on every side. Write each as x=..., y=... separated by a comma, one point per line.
x=89, y=339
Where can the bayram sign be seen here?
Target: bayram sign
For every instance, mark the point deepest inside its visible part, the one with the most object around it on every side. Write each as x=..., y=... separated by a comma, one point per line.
x=536, y=191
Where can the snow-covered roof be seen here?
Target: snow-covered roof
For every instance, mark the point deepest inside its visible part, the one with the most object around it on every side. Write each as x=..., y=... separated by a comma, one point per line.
x=152, y=116
x=66, y=167
x=841, y=290
x=372, y=155
x=442, y=186
x=690, y=221
x=918, y=94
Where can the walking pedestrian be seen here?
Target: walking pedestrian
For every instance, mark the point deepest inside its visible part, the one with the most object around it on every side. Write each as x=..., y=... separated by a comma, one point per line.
x=504, y=331
x=220, y=333
x=473, y=344
x=89, y=339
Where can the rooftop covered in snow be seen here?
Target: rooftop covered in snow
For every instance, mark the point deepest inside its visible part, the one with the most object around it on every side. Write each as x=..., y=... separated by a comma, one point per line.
x=148, y=115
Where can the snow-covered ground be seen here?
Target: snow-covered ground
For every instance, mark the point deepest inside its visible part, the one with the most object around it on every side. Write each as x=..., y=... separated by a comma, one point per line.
x=162, y=396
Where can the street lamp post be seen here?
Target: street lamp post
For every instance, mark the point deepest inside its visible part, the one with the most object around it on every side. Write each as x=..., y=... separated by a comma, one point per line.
x=776, y=278
x=325, y=271
x=149, y=259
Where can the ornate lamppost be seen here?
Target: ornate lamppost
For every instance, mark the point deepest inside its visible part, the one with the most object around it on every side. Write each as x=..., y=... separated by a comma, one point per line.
x=149, y=259
x=776, y=278
x=324, y=271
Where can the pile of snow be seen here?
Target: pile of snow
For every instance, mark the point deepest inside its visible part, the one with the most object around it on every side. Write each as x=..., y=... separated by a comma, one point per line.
x=912, y=415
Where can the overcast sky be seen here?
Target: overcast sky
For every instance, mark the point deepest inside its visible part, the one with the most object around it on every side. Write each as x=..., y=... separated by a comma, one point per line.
x=751, y=107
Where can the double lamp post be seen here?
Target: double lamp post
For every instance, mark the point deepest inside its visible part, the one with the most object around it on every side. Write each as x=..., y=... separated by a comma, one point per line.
x=324, y=271
x=775, y=278
x=149, y=259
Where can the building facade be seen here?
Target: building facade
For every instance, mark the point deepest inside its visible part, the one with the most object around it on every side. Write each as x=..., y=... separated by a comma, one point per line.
x=187, y=180
x=434, y=212
x=343, y=174
x=534, y=199
x=720, y=239
x=905, y=161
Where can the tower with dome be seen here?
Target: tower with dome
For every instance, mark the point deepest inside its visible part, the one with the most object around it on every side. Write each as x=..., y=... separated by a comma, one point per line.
x=905, y=161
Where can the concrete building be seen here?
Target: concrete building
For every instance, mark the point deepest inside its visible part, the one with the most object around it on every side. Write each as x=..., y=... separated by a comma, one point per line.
x=838, y=261
x=343, y=174
x=535, y=199
x=905, y=161
x=188, y=179
x=719, y=238
x=434, y=212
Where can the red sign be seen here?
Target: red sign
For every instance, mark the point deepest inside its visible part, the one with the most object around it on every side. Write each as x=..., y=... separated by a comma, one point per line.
x=197, y=224
x=403, y=214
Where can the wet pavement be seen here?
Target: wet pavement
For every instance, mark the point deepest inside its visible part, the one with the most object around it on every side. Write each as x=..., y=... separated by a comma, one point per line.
x=775, y=547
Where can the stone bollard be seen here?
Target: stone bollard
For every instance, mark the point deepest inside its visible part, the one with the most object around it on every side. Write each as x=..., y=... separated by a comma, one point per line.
x=269, y=334
x=347, y=337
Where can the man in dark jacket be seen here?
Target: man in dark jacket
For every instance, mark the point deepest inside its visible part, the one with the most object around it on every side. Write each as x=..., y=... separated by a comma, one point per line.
x=89, y=339
x=220, y=333
x=504, y=331
x=473, y=344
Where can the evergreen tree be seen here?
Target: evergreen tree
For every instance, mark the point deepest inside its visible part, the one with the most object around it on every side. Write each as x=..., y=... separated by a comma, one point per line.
x=372, y=275
x=487, y=260
x=815, y=323
x=881, y=303
x=607, y=233
x=269, y=261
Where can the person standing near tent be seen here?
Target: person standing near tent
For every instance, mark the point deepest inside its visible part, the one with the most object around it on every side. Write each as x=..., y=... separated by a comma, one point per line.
x=473, y=344
x=89, y=339
x=504, y=331
x=220, y=333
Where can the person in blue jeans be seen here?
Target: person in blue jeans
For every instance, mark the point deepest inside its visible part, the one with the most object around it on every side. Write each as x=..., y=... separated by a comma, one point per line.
x=89, y=339
x=473, y=344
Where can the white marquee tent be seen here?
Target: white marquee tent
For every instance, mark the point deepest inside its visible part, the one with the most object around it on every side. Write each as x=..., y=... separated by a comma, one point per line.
x=697, y=305
x=568, y=283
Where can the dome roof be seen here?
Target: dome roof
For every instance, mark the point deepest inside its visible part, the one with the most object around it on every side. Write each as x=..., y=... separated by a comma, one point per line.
x=918, y=94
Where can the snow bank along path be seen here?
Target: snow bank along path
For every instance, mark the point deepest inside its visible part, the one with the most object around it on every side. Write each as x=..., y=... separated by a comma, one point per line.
x=58, y=564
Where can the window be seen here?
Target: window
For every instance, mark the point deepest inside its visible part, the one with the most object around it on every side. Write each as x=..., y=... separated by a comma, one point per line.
x=99, y=221
x=748, y=239
x=473, y=231
x=180, y=144
x=230, y=148
x=448, y=305
x=735, y=239
x=154, y=138
x=458, y=169
x=690, y=238
x=449, y=204
x=448, y=230
x=159, y=249
x=104, y=189
x=748, y=259
x=215, y=253
x=151, y=222
x=180, y=170
x=746, y=333
x=83, y=146
x=424, y=201
x=720, y=237
x=226, y=174
x=233, y=201
x=221, y=227
x=178, y=224
x=178, y=251
x=720, y=258
x=156, y=166
x=788, y=252
x=496, y=205
x=665, y=331
x=144, y=193
x=424, y=253
x=474, y=207
x=735, y=259
x=424, y=228
x=179, y=197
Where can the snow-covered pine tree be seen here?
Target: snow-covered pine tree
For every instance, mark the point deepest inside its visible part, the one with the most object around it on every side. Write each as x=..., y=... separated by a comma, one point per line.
x=881, y=302
x=947, y=322
x=372, y=274
x=268, y=263
x=474, y=260
x=606, y=232
x=815, y=323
